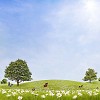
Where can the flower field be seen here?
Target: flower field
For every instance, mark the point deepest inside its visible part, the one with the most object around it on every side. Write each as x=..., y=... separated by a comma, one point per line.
x=24, y=94
x=56, y=90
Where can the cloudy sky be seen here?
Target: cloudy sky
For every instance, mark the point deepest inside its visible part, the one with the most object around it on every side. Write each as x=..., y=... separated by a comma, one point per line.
x=59, y=39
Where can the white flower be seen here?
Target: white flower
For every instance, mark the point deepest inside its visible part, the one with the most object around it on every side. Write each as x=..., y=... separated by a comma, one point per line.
x=80, y=94
x=75, y=96
x=8, y=95
x=58, y=95
x=57, y=91
x=94, y=93
x=67, y=93
x=4, y=91
x=26, y=90
x=14, y=93
x=32, y=92
x=73, y=92
x=51, y=93
x=46, y=94
x=97, y=90
x=36, y=94
x=9, y=91
x=43, y=96
x=20, y=97
x=63, y=91
x=17, y=90
x=22, y=91
x=90, y=93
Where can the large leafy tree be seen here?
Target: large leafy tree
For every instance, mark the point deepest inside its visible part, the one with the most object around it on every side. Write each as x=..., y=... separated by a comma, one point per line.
x=18, y=71
x=90, y=75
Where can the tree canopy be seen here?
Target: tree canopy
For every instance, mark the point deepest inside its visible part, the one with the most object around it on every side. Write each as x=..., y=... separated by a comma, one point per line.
x=18, y=71
x=90, y=75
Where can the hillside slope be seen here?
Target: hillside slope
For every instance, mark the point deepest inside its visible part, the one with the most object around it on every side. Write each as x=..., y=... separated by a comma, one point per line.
x=54, y=84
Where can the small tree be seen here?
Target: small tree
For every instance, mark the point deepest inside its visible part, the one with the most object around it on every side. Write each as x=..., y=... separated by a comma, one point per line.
x=99, y=79
x=90, y=75
x=4, y=81
x=18, y=71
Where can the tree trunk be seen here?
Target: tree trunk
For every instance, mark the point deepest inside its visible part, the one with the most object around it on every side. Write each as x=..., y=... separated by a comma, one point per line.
x=17, y=82
x=90, y=81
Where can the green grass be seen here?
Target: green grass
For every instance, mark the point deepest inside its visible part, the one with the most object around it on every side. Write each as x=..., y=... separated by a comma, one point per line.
x=87, y=92
x=54, y=84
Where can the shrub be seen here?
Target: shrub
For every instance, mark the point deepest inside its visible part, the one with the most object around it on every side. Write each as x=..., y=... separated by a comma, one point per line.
x=99, y=79
x=4, y=81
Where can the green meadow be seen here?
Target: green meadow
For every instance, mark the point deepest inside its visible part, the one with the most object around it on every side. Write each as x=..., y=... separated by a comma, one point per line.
x=53, y=84
x=56, y=90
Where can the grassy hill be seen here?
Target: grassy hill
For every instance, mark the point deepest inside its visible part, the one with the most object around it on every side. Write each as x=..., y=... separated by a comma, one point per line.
x=54, y=84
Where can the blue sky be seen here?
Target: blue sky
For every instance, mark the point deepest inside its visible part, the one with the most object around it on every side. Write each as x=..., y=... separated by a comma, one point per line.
x=59, y=39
